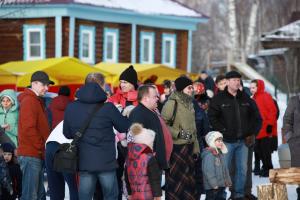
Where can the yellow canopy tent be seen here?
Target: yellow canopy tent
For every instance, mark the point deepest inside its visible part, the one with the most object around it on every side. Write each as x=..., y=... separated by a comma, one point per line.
x=6, y=77
x=62, y=71
x=144, y=71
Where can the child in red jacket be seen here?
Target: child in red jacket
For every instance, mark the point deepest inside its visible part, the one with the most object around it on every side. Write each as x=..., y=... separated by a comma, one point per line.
x=142, y=172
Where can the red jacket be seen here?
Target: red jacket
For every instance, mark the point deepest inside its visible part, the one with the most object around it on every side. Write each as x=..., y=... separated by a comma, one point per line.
x=57, y=108
x=33, y=125
x=267, y=109
x=137, y=170
x=120, y=98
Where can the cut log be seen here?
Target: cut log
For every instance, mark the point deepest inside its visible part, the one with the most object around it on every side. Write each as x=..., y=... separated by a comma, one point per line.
x=272, y=192
x=285, y=176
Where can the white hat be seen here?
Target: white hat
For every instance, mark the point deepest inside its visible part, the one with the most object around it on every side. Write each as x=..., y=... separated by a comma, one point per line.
x=142, y=135
x=210, y=139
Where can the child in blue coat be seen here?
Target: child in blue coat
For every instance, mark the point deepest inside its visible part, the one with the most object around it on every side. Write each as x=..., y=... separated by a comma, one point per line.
x=215, y=172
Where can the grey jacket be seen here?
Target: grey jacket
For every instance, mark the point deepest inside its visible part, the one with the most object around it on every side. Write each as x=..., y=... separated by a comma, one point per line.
x=291, y=120
x=215, y=171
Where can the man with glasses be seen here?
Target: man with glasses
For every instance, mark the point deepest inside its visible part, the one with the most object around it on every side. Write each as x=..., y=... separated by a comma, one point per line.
x=33, y=133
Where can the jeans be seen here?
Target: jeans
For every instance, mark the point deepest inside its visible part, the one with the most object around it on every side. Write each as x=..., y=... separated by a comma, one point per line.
x=240, y=151
x=32, y=178
x=56, y=180
x=218, y=194
x=107, y=179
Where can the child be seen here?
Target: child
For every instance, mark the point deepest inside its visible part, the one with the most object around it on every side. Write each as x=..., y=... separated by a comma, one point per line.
x=215, y=172
x=142, y=172
x=14, y=173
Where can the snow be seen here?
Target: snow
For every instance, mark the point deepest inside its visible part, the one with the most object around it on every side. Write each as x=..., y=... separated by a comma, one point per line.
x=158, y=7
x=290, y=32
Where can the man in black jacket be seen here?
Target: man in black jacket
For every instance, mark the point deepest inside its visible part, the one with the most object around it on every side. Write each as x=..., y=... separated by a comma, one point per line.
x=233, y=113
x=145, y=114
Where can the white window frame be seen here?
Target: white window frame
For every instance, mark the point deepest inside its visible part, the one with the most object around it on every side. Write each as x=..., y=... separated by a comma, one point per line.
x=115, y=48
x=90, y=30
x=166, y=37
x=147, y=36
x=27, y=29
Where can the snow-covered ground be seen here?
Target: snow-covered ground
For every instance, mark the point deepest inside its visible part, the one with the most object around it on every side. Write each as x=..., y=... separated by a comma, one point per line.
x=291, y=189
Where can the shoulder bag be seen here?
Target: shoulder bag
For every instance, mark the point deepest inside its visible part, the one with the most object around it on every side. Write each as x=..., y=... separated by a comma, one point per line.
x=66, y=157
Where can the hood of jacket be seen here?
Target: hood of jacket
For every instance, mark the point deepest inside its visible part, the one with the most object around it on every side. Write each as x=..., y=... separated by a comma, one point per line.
x=91, y=93
x=60, y=102
x=13, y=96
x=185, y=99
x=260, y=87
x=209, y=150
x=135, y=150
x=28, y=92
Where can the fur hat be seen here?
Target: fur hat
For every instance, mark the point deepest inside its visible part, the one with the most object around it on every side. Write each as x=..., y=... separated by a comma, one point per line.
x=7, y=147
x=142, y=135
x=210, y=139
x=130, y=76
x=182, y=82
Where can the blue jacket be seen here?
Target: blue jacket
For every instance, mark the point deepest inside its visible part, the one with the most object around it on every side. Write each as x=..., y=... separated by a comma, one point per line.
x=215, y=171
x=97, y=146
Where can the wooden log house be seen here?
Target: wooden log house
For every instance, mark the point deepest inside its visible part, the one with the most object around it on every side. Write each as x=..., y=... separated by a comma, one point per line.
x=116, y=31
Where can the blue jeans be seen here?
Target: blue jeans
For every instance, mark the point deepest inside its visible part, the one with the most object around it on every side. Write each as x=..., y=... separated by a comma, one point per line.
x=32, y=178
x=56, y=180
x=240, y=151
x=108, y=182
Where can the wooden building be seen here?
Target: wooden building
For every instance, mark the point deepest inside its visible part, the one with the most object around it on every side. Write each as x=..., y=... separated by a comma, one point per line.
x=283, y=59
x=116, y=31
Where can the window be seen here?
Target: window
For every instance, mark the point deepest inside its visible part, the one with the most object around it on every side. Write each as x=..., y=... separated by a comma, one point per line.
x=111, y=45
x=147, y=47
x=169, y=49
x=34, y=42
x=87, y=44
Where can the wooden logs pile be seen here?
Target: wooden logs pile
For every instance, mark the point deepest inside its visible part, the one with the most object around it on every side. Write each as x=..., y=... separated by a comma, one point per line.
x=285, y=176
x=276, y=190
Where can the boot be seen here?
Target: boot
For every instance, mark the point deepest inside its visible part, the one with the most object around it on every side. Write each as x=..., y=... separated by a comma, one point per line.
x=298, y=192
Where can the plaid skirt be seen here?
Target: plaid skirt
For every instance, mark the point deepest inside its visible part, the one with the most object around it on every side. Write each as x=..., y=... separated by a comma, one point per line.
x=180, y=178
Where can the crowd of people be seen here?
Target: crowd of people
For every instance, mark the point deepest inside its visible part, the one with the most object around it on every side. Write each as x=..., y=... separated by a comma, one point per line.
x=200, y=135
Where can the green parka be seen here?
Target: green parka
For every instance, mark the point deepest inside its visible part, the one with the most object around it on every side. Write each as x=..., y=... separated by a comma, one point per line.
x=184, y=120
x=10, y=116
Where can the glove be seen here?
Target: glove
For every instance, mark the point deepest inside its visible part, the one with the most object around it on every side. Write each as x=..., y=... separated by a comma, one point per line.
x=196, y=156
x=249, y=140
x=269, y=129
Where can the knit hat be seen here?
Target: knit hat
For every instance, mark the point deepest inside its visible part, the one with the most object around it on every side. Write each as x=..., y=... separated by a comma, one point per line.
x=233, y=74
x=7, y=147
x=142, y=135
x=130, y=76
x=64, y=90
x=182, y=82
x=210, y=139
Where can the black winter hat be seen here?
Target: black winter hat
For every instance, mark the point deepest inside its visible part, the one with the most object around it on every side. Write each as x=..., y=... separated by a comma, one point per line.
x=64, y=90
x=182, y=82
x=233, y=74
x=7, y=147
x=130, y=76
